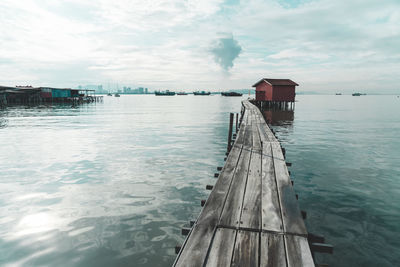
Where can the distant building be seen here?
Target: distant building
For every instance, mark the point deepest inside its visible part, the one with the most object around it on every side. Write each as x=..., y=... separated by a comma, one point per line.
x=127, y=90
x=277, y=90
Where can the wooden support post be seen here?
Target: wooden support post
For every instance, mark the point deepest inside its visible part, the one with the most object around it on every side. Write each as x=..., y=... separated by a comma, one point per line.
x=321, y=248
x=185, y=231
x=304, y=214
x=312, y=238
x=230, y=132
x=237, y=118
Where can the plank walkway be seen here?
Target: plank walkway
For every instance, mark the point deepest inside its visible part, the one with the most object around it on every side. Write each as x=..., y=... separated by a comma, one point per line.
x=251, y=217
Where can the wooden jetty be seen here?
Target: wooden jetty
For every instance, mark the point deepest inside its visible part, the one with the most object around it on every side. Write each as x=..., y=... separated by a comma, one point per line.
x=251, y=217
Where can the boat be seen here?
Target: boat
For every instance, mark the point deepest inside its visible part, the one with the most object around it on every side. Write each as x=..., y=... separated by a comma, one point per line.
x=109, y=94
x=338, y=93
x=164, y=93
x=231, y=94
x=181, y=93
x=201, y=93
x=117, y=95
x=357, y=94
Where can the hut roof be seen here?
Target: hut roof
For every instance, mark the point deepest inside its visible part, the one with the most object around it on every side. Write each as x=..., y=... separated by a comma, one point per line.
x=276, y=82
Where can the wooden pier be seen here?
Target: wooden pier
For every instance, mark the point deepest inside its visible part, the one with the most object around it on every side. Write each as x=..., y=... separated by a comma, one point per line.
x=251, y=217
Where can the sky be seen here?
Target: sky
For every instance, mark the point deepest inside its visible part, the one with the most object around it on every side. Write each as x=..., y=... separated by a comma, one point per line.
x=323, y=45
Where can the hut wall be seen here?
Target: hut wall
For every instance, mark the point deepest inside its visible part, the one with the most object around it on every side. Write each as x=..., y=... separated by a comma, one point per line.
x=284, y=93
x=264, y=92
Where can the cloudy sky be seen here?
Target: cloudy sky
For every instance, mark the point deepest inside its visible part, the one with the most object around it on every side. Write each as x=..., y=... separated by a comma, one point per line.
x=324, y=45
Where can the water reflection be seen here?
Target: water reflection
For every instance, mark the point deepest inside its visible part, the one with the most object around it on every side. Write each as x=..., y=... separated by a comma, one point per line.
x=106, y=184
x=3, y=122
x=278, y=116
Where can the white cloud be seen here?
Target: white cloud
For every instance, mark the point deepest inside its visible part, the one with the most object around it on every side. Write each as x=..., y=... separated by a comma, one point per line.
x=162, y=43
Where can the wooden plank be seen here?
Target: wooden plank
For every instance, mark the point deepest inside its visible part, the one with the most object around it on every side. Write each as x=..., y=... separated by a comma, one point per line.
x=214, y=204
x=194, y=251
x=196, y=246
x=292, y=220
x=240, y=135
x=263, y=135
x=248, y=138
x=264, y=128
x=270, y=206
x=221, y=250
x=253, y=116
x=272, y=251
x=233, y=205
x=251, y=211
x=298, y=252
x=246, y=249
x=264, y=131
x=256, y=137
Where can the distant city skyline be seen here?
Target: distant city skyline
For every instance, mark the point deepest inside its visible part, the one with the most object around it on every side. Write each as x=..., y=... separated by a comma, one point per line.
x=325, y=46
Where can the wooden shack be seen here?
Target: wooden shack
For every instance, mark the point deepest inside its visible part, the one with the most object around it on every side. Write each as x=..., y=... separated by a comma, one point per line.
x=275, y=90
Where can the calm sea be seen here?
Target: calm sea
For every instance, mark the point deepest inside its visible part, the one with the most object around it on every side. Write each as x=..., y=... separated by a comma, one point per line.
x=111, y=184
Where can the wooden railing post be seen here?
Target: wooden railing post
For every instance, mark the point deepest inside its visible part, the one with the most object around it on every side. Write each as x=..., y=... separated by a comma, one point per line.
x=230, y=132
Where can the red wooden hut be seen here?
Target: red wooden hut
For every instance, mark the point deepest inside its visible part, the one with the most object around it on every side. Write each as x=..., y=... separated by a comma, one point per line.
x=275, y=90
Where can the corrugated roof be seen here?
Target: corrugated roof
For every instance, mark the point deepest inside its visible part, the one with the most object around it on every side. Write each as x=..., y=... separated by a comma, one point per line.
x=276, y=82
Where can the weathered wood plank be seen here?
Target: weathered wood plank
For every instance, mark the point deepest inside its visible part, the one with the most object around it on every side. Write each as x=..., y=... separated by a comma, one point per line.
x=264, y=128
x=292, y=220
x=240, y=135
x=248, y=138
x=194, y=251
x=246, y=249
x=272, y=251
x=263, y=136
x=196, y=246
x=256, y=138
x=298, y=252
x=233, y=205
x=270, y=206
x=221, y=250
x=251, y=211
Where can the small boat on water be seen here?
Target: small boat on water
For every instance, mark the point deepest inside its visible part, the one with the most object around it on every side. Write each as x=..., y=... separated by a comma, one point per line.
x=230, y=94
x=109, y=94
x=201, y=93
x=164, y=93
x=357, y=94
x=338, y=93
x=181, y=93
x=117, y=95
